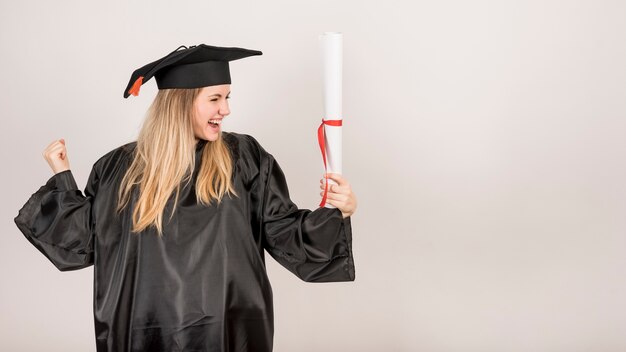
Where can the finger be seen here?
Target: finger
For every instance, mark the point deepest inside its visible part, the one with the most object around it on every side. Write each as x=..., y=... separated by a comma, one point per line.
x=334, y=175
x=54, y=146
x=331, y=182
x=345, y=189
x=56, y=141
x=323, y=183
x=55, y=156
x=48, y=153
x=331, y=202
x=337, y=178
x=57, y=149
x=337, y=204
x=48, y=149
x=335, y=196
x=334, y=188
x=57, y=146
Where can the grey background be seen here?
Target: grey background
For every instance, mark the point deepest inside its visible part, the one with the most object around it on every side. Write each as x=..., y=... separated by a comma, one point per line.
x=484, y=141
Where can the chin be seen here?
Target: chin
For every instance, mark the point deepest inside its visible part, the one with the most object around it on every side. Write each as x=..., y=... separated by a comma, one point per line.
x=208, y=134
x=212, y=136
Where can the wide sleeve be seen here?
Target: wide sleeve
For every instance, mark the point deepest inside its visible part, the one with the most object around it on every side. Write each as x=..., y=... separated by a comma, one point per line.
x=57, y=220
x=314, y=245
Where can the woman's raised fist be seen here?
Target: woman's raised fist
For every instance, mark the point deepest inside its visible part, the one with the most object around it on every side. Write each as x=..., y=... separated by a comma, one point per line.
x=56, y=156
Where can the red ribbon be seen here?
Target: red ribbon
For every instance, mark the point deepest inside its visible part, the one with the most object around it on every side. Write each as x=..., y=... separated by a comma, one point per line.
x=321, y=139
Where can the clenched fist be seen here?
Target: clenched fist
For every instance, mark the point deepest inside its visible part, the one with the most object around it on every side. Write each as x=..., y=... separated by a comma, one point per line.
x=56, y=156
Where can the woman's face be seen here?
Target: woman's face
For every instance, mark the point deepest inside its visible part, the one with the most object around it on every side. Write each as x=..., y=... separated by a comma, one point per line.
x=210, y=105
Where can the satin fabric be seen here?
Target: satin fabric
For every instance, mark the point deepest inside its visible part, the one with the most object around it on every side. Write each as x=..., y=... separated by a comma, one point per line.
x=203, y=285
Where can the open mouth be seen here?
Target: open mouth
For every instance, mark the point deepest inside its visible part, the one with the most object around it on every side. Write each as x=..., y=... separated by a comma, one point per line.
x=215, y=124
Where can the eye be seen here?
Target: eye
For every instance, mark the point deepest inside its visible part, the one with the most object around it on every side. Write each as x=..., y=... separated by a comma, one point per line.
x=217, y=99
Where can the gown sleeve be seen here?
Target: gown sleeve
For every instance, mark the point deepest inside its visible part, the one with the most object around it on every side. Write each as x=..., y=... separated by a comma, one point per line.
x=316, y=245
x=58, y=221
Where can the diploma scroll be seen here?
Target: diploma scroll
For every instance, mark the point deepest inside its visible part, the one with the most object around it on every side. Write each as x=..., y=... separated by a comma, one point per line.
x=329, y=132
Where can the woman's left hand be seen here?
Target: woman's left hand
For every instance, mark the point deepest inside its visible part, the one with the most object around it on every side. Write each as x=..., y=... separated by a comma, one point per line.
x=339, y=195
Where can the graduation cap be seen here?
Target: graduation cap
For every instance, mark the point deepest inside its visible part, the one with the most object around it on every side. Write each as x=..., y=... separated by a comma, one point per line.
x=193, y=67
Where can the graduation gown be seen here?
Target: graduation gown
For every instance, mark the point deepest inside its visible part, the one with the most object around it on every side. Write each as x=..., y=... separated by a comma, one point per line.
x=202, y=286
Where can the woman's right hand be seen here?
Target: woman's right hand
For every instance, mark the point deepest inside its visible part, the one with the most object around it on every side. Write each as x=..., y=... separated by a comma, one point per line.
x=56, y=156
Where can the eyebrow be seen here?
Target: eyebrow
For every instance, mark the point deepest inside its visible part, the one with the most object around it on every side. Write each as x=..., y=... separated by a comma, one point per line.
x=218, y=95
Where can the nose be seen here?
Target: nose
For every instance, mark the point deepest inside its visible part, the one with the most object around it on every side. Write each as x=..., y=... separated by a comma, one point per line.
x=224, y=109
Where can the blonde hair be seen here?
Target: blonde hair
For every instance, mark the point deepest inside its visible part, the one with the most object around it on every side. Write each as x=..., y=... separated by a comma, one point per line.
x=165, y=157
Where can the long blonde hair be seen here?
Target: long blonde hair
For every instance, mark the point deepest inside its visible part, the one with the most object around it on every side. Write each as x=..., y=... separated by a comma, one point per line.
x=165, y=157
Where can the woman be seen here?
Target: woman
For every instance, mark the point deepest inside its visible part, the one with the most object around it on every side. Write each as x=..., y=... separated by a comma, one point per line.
x=175, y=223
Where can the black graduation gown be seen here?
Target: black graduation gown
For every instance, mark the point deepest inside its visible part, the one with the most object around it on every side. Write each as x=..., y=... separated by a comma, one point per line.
x=203, y=285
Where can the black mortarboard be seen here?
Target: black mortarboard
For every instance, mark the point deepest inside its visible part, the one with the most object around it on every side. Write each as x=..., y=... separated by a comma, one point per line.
x=193, y=67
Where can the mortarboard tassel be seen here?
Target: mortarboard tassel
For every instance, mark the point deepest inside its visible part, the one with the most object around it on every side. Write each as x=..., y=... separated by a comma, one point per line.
x=134, y=90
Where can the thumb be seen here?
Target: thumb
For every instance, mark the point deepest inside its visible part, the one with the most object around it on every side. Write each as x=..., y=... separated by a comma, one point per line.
x=62, y=141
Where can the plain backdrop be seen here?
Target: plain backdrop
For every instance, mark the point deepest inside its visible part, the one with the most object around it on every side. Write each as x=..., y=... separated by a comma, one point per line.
x=484, y=141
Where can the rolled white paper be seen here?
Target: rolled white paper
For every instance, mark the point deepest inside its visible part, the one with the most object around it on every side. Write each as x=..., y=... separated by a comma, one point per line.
x=332, y=56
